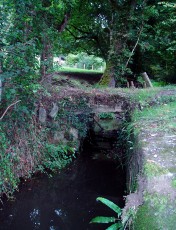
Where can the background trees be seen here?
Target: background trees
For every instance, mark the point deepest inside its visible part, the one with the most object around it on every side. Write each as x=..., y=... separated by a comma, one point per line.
x=159, y=41
x=128, y=35
x=131, y=36
x=82, y=60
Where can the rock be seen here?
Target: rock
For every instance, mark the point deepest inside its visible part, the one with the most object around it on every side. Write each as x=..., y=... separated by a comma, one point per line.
x=42, y=115
x=59, y=136
x=74, y=133
x=54, y=111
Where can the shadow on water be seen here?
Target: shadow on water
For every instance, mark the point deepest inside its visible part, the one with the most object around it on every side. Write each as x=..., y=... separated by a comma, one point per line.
x=66, y=201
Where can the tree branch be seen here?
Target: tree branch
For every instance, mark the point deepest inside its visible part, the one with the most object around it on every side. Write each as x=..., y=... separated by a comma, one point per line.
x=64, y=22
x=80, y=30
x=134, y=47
x=88, y=36
x=8, y=109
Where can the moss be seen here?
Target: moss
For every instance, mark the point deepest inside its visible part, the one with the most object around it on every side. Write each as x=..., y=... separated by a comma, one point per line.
x=152, y=169
x=106, y=115
x=172, y=169
x=105, y=80
x=174, y=183
x=144, y=219
x=162, y=209
x=109, y=124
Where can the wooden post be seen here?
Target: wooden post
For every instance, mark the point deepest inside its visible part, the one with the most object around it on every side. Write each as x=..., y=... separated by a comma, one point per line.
x=144, y=85
x=84, y=66
x=147, y=80
x=132, y=84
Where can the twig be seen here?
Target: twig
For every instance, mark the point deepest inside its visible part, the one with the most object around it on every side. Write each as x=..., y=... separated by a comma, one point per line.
x=134, y=46
x=8, y=109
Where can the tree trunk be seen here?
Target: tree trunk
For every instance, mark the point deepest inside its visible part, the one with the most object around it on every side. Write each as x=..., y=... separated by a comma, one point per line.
x=115, y=71
x=108, y=76
x=46, y=59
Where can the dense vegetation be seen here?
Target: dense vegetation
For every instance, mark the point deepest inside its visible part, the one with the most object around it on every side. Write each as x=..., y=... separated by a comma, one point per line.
x=132, y=36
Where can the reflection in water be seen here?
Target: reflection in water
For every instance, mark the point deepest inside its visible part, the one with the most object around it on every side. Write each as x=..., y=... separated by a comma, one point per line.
x=65, y=201
x=35, y=218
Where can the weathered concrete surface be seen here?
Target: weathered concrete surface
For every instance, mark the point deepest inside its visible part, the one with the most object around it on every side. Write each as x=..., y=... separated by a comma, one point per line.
x=108, y=108
x=155, y=198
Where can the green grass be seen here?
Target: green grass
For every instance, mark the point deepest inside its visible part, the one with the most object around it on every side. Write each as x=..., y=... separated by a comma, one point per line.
x=174, y=183
x=143, y=96
x=158, y=83
x=77, y=70
x=158, y=113
x=152, y=169
x=158, y=118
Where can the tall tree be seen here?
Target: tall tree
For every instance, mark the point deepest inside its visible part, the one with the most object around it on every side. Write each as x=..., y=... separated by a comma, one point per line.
x=111, y=29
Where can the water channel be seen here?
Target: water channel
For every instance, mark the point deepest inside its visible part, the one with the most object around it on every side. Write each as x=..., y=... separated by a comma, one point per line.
x=67, y=200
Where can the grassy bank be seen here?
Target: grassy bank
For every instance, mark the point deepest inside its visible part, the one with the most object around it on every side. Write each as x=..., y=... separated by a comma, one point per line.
x=154, y=123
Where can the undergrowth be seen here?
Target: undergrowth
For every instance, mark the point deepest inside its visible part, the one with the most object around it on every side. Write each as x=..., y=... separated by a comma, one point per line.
x=27, y=146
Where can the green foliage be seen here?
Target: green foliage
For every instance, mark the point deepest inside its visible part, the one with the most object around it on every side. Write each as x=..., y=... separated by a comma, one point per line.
x=117, y=225
x=57, y=156
x=8, y=180
x=158, y=83
x=103, y=220
x=68, y=118
x=106, y=115
x=22, y=145
x=160, y=41
x=82, y=59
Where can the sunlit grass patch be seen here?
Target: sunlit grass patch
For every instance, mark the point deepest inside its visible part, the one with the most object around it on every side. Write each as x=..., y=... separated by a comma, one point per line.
x=77, y=70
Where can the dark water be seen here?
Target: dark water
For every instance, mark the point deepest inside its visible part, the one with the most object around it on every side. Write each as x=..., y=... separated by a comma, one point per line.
x=67, y=201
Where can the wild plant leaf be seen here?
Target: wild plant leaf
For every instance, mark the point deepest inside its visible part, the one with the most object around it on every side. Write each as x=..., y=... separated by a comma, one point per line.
x=115, y=227
x=111, y=205
x=103, y=220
